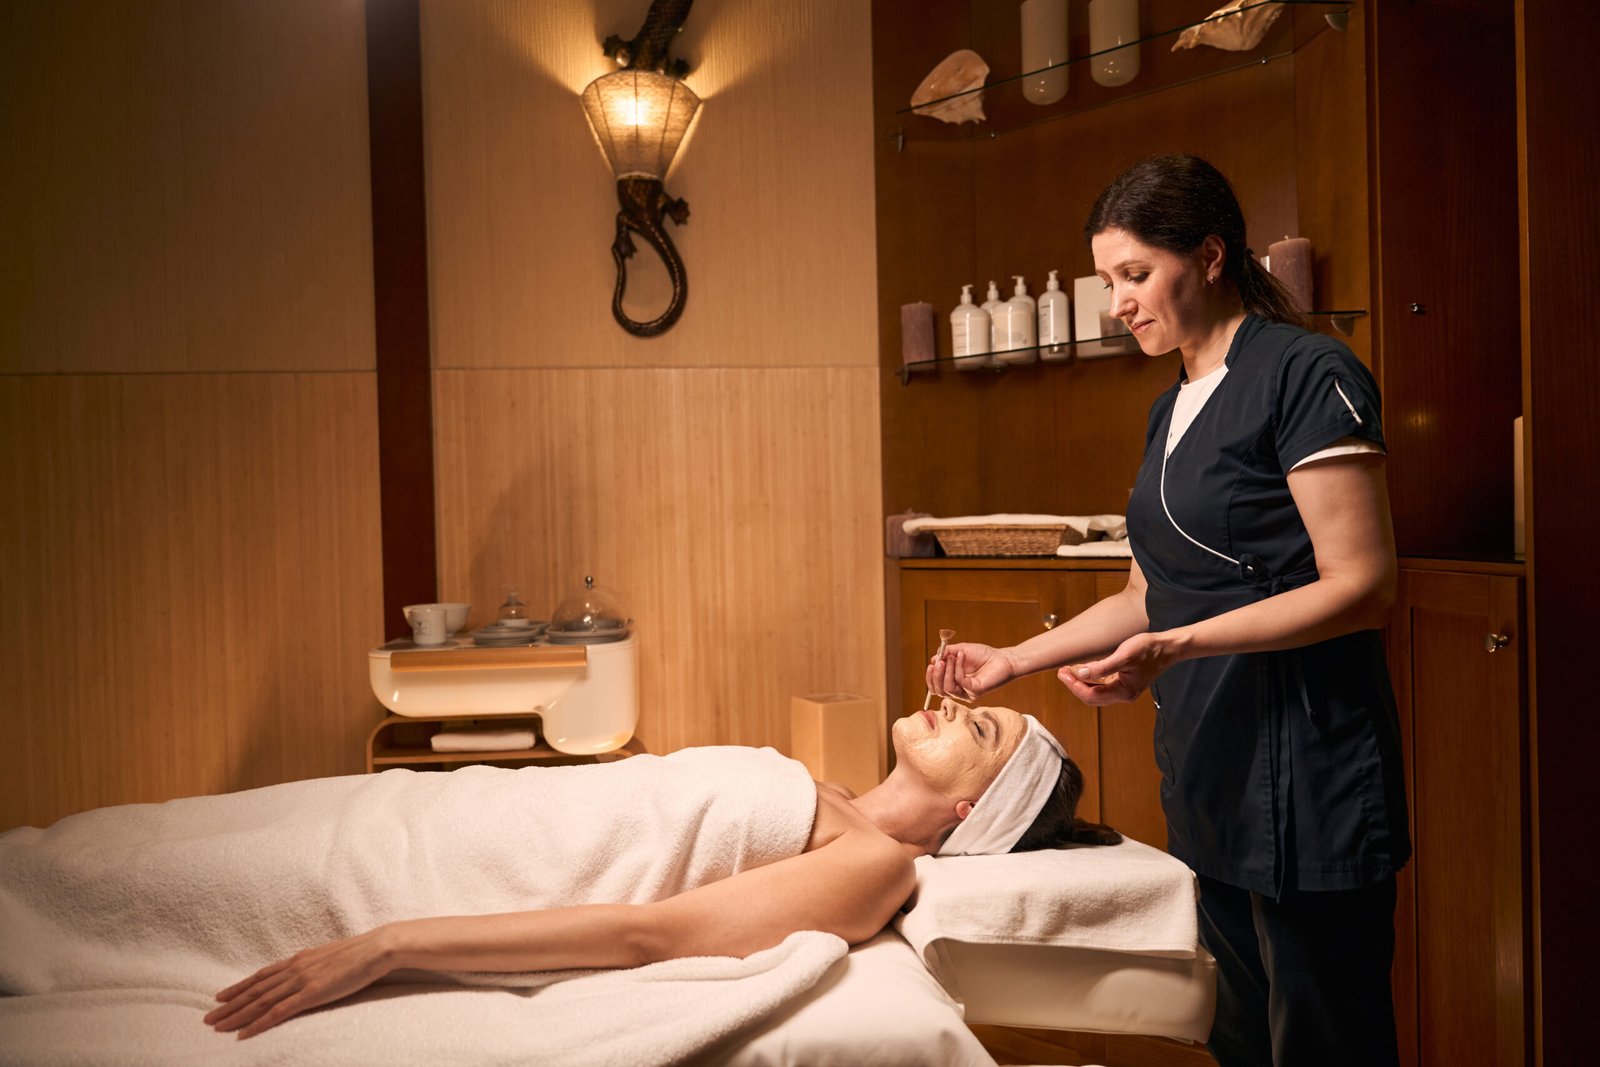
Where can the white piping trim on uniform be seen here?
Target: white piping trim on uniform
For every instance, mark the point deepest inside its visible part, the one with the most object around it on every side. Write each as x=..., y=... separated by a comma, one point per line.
x=1174, y=522
x=1352, y=407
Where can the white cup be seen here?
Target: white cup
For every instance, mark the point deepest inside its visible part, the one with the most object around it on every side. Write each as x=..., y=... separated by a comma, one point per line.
x=428, y=623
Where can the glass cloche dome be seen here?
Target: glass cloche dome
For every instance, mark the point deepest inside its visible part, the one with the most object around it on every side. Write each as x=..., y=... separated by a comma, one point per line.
x=592, y=615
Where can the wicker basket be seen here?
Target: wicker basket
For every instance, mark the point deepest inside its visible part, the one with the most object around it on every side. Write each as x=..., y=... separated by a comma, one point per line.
x=999, y=540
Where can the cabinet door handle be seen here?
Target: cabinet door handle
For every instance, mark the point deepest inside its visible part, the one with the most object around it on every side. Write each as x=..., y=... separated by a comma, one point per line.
x=1495, y=642
x=1050, y=621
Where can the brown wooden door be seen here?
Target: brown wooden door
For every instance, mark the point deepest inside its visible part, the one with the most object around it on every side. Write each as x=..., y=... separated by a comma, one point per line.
x=1459, y=960
x=1002, y=607
x=1130, y=782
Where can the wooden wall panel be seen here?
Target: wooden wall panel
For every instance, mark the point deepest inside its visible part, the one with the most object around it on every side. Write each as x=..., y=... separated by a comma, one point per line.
x=777, y=172
x=190, y=545
x=1559, y=151
x=734, y=511
x=1445, y=246
x=191, y=583
x=183, y=187
x=724, y=477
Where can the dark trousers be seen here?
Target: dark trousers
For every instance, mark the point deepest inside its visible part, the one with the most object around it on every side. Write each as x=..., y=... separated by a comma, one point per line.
x=1301, y=981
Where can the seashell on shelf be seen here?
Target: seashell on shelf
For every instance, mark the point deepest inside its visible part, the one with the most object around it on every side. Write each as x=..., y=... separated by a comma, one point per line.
x=1230, y=29
x=959, y=72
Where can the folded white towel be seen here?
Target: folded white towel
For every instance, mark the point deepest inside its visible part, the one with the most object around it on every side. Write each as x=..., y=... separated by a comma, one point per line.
x=482, y=740
x=1118, y=898
x=1109, y=526
x=1096, y=549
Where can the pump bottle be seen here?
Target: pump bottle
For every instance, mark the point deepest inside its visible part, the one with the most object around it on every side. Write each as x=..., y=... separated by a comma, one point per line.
x=1055, y=324
x=992, y=308
x=969, y=333
x=1020, y=316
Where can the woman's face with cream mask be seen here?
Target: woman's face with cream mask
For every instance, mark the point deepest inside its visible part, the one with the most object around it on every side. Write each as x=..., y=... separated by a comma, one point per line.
x=958, y=749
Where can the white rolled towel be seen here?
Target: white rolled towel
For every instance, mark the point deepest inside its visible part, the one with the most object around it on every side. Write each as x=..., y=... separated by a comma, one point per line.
x=482, y=740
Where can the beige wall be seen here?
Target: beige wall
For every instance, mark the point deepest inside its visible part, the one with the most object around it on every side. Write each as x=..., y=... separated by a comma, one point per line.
x=188, y=446
x=724, y=478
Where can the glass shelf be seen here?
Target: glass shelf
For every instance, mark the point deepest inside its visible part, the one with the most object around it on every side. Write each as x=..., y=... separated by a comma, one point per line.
x=1073, y=351
x=1280, y=42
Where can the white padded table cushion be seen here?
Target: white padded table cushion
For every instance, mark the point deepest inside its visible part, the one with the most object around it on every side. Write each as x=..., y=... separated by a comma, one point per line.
x=1056, y=988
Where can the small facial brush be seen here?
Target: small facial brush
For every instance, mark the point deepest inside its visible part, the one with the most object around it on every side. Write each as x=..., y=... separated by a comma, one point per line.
x=944, y=639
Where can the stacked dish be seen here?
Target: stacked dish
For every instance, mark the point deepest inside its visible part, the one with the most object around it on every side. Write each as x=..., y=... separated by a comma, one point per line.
x=508, y=633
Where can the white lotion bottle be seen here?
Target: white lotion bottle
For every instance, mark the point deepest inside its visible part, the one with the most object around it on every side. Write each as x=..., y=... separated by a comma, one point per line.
x=1055, y=323
x=970, y=336
x=1021, y=317
x=994, y=307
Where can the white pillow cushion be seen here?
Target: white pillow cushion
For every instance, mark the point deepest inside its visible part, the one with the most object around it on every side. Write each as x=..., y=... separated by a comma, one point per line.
x=1119, y=898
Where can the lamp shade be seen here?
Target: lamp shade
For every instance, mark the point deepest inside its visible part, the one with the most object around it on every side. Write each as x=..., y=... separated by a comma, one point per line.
x=639, y=117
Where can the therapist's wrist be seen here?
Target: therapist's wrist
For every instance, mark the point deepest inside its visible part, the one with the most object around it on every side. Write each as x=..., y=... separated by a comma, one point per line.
x=1014, y=661
x=1179, y=644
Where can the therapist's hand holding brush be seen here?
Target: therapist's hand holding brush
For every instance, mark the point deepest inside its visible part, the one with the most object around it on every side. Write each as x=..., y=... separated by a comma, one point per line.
x=968, y=670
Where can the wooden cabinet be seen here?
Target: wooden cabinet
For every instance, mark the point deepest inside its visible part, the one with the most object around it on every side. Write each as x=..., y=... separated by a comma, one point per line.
x=1456, y=654
x=1457, y=658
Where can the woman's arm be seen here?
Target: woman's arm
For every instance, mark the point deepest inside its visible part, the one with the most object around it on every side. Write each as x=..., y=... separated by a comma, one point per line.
x=969, y=670
x=851, y=887
x=1345, y=507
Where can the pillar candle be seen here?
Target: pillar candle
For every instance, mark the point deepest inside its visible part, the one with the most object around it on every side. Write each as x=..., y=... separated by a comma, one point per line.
x=1114, y=22
x=1291, y=265
x=1044, y=44
x=917, y=350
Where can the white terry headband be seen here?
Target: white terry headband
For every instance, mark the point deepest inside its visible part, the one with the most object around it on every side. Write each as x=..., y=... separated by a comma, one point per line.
x=1011, y=803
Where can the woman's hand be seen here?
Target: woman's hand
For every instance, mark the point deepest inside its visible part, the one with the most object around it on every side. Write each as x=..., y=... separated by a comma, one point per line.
x=306, y=980
x=1127, y=672
x=969, y=670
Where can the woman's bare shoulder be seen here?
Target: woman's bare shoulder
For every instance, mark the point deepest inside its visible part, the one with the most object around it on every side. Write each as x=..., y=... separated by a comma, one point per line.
x=837, y=816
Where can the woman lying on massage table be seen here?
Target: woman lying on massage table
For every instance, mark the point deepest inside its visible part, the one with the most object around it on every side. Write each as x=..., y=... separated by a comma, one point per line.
x=966, y=781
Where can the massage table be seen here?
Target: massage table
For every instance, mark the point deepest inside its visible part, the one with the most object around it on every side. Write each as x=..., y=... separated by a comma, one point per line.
x=117, y=950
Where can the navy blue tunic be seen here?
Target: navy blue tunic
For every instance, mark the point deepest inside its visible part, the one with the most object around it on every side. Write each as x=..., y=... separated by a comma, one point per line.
x=1280, y=770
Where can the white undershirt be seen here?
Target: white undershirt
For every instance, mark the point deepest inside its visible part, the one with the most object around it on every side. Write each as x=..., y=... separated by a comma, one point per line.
x=1192, y=396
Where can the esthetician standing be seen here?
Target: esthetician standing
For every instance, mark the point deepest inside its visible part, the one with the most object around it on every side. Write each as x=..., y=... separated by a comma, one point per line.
x=1263, y=566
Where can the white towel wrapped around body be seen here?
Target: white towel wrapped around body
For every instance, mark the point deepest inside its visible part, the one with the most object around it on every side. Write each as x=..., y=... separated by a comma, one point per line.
x=199, y=892
x=124, y=921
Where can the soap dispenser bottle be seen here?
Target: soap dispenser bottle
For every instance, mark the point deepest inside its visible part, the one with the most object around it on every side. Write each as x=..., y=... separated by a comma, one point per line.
x=1055, y=324
x=993, y=307
x=1021, y=316
x=969, y=333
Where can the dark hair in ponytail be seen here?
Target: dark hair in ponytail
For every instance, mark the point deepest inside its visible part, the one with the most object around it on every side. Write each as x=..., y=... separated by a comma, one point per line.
x=1175, y=202
x=1057, y=824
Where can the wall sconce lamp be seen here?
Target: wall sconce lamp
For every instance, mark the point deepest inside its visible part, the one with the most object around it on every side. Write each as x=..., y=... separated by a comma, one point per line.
x=639, y=115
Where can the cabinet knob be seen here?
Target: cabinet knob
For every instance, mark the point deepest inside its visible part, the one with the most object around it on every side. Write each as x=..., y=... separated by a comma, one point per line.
x=1050, y=621
x=1495, y=642
x=1418, y=309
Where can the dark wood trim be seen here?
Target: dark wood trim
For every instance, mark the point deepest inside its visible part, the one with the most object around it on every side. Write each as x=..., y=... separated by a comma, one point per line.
x=1560, y=155
x=400, y=299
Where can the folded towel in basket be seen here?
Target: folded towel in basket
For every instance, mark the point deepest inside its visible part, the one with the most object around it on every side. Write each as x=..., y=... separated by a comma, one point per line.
x=482, y=740
x=1080, y=527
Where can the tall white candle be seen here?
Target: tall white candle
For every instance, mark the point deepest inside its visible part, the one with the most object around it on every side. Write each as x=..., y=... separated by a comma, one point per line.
x=1044, y=43
x=1113, y=23
x=1291, y=265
